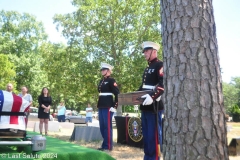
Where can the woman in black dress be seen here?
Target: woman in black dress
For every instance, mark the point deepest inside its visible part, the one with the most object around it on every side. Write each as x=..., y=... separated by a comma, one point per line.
x=45, y=102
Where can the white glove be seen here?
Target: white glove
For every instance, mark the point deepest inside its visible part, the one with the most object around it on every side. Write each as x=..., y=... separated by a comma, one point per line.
x=159, y=98
x=112, y=109
x=148, y=99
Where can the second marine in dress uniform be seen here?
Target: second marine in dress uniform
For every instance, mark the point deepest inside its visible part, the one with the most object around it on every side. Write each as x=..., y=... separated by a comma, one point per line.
x=107, y=104
x=151, y=117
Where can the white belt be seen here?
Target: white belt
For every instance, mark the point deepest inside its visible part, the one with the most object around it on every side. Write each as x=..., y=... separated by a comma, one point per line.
x=105, y=94
x=148, y=87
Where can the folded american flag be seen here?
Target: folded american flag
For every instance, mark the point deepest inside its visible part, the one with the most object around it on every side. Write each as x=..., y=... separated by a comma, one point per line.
x=12, y=108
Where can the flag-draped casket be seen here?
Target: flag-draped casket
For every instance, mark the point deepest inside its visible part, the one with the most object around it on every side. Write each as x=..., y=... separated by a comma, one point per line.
x=12, y=112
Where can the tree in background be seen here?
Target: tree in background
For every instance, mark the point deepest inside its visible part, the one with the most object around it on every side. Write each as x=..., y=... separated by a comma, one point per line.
x=230, y=95
x=29, y=73
x=7, y=73
x=72, y=71
x=20, y=38
x=107, y=31
x=195, y=126
x=236, y=82
x=20, y=33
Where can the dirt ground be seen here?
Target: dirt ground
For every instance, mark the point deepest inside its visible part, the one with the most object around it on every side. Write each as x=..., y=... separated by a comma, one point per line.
x=124, y=152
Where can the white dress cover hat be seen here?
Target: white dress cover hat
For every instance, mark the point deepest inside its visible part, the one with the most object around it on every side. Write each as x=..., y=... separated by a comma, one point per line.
x=149, y=44
x=107, y=66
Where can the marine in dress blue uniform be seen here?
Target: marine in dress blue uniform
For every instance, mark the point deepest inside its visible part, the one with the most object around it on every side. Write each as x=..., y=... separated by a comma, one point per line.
x=152, y=80
x=107, y=104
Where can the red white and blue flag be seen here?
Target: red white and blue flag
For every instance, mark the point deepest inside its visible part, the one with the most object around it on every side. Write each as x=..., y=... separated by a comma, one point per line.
x=12, y=108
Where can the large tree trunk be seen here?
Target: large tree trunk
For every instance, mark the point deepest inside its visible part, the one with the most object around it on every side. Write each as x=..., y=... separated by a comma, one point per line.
x=194, y=126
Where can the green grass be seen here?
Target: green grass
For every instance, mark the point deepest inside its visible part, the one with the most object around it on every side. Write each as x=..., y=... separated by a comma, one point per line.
x=55, y=147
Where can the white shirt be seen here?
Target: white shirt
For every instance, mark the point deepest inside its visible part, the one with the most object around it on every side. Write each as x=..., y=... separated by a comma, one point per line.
x=27, y=97
x=88, y=114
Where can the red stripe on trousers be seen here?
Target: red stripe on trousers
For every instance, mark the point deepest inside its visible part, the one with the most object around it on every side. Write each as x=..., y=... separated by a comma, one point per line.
x=109, y=130
x=156, y=142
x=17, y=102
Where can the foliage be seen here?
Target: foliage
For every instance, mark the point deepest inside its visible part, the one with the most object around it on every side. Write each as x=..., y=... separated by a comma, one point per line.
x=128, y=108
x=231, y=93
x=235, y=113
x=59, y=70
x=109, y=31
x=7, y=74
x=20, y=38
x=236, y=82
x=20, y=33
x=29, y=73
x=234, y=110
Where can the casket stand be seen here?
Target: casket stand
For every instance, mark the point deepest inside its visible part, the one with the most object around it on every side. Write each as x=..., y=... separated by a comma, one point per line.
x=13, y=123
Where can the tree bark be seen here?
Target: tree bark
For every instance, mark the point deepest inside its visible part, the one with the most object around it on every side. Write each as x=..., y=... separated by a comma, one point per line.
x=194, y=127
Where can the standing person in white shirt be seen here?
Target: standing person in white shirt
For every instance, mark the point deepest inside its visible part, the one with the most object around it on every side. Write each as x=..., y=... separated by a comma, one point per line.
x=89, y=111
x=25, y=95
x=61, y=112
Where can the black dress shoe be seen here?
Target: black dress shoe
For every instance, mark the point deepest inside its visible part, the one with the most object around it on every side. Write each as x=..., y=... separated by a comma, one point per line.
x=102, y=149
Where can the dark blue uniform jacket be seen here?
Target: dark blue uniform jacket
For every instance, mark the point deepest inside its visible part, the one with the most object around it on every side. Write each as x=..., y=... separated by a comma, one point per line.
x=153, y=76
x=108, y=85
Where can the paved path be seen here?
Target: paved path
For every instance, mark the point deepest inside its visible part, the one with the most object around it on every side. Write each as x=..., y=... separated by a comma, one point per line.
x=66, y=128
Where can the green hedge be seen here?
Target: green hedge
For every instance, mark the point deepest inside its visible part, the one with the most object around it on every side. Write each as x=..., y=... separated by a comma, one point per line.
x=235, y=112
